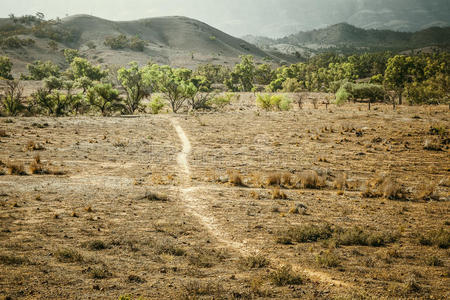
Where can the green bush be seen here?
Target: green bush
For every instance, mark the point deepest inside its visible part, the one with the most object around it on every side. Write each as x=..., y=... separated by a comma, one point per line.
x=39, y=70
x=5, y=68
x=219, y=102
x=156, y=105
x=342, y=96
x=11, y=97
x=273, y=102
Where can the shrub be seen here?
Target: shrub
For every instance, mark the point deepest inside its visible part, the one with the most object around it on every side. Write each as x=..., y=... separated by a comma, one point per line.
x=235, y=179
x=357, y=236
x=68, y=256
x=16, y=169
x=291, y=85
x=103, y=97
x=264, y=102
x=306, y=234
x=328, y=259
x=156, y=105
x=254, y=261
x=273, y=102
x=285, y=276
x=11, y=98
x=39, y=70
x=342, y=96
x=311, y=180
x=5, y=68
x=440, y=238
x=116, y=42
x=219, y=102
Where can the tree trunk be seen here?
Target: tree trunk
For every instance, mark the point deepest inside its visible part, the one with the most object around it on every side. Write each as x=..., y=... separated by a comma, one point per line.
x=400, y=98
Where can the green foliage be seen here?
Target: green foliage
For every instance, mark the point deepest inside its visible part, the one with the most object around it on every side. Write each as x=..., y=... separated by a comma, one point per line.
x=156, y=105
x=71, y=54
x=11, y=97
x=273, y=102
x=360, y=91
x=342, y=96
x=40, y=70
x=136, y=44
x=136, y=83
x=219, y=102
x=291, y=85
x=103, y=97
x=13, y=42
x=117, y=42
x=81, y=67
x=243, y=75
x=264, y=74
x=213, y=73
x=52, y=101
x=5, y=68
x=121, y=42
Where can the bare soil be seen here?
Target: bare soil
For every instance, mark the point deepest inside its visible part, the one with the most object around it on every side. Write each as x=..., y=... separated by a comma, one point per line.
x=150, y=206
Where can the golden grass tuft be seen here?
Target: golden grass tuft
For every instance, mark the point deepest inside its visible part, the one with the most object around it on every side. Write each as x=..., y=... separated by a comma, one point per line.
x=16, y=169
x=311, y=180
x=235, y=178
x=278, y=194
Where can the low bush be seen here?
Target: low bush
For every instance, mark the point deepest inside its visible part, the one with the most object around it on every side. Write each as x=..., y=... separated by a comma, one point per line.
x=285, y=276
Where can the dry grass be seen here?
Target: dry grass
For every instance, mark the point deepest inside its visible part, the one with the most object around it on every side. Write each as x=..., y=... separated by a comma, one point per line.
x=310, y=180
x=278, y=194
x=33, y=146
x=3, y=133
x=68, y=256
x=235, y=178
x=285, y=276
x=328, y=259
x=16, y=169
x=254, y=262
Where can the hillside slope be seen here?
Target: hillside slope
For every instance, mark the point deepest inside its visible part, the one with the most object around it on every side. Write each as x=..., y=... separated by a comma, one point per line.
x=178, y=41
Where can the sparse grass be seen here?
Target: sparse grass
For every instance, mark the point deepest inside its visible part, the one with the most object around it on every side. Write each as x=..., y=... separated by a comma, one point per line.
x=235, y=179
x=273, y=179
x=68, y=256
x=198, y=288
x=328, y=259
x=151, y=196
x=278, y=194
x=384, y=186
x=33, y=146
x=434, y=261
x=285, y=276
x=99, y=273
x=357, y=236
x=432, y=145
x=305, y=234
x=3, y=133
x=440, y=238
x=311, y=180
x=12, y=260
x=96, y=245
x=16, y=169
x=167, y=247
x=254, y=262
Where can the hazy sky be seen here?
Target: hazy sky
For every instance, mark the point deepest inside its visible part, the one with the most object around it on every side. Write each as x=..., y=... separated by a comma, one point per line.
x=240, y=17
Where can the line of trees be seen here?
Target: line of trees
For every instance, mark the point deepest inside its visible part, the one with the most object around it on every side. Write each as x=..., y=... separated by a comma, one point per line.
x=85, y=87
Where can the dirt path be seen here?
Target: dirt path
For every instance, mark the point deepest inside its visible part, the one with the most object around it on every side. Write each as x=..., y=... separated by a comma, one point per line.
x=200, y=211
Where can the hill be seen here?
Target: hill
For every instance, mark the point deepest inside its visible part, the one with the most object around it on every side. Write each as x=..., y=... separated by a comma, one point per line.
x=178, y=41
x=345, y=36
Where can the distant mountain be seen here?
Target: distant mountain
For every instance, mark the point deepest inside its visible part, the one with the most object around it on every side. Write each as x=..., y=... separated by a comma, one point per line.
x=344, y=35
x=290, y=16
